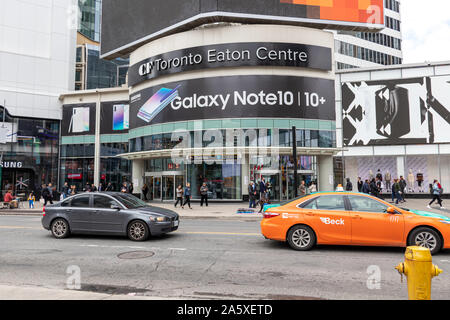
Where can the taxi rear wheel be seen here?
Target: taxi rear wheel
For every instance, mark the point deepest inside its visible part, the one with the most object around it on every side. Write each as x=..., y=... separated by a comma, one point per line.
x=426, y=237
x=301, y=238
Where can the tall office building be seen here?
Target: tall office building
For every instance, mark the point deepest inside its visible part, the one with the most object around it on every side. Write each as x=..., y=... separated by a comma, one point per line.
x=91, y=71
x=90, y=18
x=37, y=63
x=371, y=49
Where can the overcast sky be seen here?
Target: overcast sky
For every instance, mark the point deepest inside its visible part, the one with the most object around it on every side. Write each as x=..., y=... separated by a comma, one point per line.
x=426, y=30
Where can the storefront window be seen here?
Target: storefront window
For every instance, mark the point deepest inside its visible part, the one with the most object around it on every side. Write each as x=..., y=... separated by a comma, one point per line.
x=223, y=180
x=249, y=137
x=30, y=155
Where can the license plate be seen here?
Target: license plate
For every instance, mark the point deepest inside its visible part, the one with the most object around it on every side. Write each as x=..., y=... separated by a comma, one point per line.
x=175, y=223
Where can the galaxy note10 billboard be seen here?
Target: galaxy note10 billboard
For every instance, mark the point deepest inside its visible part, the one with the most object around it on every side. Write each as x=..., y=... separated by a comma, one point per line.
x=126, y=25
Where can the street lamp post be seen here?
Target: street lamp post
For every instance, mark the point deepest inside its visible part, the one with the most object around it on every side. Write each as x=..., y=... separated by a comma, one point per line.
x=294, y=152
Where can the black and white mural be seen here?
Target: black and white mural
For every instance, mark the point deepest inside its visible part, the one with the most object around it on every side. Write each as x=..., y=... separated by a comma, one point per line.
x=393, y=112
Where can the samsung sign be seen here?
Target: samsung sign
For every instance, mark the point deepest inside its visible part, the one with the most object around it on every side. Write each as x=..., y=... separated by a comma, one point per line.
x=232, y=55
x=11, y=164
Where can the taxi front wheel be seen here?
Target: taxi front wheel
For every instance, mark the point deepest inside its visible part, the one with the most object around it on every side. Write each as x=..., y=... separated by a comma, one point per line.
x=301, y=238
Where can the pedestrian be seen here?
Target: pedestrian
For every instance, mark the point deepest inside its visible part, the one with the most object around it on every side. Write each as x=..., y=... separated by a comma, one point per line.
x=50, y=190
x=268, y=191
x=204, y=194
x=302, y=188
x=313, y=187
x=349, y=185
x=366, y=187
x=374, y=188
x=263, y=201
x=145, y=191
x=31, y=200
x=65, y=190
x=360, y=184
x=10, y=199
x=436, y=192
x=130, y=188
x=93, y=188
x=87, y=187
x=402, y=184
x=396, y=187
x=73, y=190
x=179, y=192
x=187, y=196
x=46, y=195
x=100, y=187
x=252, y=194
x=124, y=188
x=262, y=187
x=109, y=187
x=379, y=185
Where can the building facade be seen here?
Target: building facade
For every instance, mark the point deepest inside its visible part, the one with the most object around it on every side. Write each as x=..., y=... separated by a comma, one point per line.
x=215, y=92
x=221, y=114
x=92, y=72
x=370, y=49
x=37, y=63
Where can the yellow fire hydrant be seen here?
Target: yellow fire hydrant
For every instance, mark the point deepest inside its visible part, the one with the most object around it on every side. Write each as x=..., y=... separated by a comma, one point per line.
x=419, y=271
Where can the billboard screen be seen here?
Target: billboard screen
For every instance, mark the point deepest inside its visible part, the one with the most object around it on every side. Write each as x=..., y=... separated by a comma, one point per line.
x=127, y=25
x=78, y=119
x=114, y=117
x=396, y=112
x=234, y=97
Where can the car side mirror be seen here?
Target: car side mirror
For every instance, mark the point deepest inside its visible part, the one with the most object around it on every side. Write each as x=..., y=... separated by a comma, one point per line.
x=391, y=210
x=115, y=207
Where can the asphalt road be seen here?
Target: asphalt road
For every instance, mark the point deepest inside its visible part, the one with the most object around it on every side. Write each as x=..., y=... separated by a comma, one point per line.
x=204, y=259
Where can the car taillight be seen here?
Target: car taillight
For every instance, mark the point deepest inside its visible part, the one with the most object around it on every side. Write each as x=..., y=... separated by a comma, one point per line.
x=268, y=215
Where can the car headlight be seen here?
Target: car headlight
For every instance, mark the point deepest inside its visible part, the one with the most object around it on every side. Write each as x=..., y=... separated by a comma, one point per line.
x=445, y=221
x=158, y=219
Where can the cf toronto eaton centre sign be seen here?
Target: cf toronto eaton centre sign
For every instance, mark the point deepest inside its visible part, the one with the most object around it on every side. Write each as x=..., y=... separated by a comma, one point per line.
x=232, y=55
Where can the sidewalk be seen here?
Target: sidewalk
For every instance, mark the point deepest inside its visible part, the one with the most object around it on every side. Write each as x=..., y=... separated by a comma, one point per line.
x=217, y=210
x=39, y=293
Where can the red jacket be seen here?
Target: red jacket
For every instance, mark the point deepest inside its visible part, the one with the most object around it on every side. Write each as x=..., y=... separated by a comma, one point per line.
x=8, y=197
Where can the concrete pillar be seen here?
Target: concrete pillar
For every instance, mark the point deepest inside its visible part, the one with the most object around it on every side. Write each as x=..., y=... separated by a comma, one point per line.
x=138, y=173
x=245, y=171
x=325, y=173
x=97, y=141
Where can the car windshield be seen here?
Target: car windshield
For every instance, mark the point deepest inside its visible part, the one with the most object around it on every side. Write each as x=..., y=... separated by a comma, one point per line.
x=282, y=203
x=129, y=201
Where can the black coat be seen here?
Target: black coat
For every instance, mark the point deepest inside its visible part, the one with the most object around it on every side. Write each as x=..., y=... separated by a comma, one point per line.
x=251, y=192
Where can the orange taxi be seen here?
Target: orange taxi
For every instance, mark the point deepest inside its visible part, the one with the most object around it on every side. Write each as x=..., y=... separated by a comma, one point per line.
x=348, y=218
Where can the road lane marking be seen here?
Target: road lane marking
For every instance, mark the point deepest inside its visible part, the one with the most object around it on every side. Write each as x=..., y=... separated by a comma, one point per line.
x=115, y=247
x=18, y=227
x=222, y=233
x=179, y=232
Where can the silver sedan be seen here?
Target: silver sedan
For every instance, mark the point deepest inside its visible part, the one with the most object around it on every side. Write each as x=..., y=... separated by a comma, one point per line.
x=108, y=213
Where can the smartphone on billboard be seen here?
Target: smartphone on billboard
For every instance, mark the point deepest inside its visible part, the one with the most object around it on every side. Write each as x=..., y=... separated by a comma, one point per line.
x=157, y=103
x=80, y=120
x=121, y=117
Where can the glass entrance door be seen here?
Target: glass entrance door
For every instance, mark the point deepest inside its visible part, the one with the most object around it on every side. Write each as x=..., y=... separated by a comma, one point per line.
x=149, y=182
x=272, y=185
x=168, y=188
x=157, y=188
